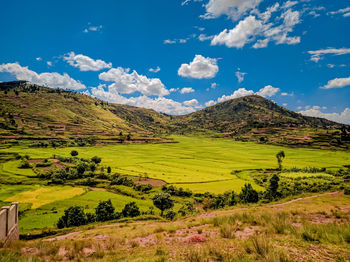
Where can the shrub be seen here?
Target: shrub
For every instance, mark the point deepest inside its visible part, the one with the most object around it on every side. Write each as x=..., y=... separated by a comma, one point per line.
x=96, y=160
x=347, y=191
x=74, y=153
x=105, y=211
x=170, y=215
x=131, y=210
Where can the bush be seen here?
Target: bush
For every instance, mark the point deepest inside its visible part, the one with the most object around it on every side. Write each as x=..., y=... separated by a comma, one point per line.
x=24, y=164
x=170, y=215
x=347, y=191
x=105, y=211
x=131, y=210
x=73, y=216
x=96, y=160
x=74, y=153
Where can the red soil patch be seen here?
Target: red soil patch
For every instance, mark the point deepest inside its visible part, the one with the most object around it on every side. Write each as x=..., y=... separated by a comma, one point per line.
x=150, y=181
x=35, y=160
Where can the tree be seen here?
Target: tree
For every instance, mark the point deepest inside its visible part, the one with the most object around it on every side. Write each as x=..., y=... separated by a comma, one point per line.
x=273, y=185
x=280, y=156
x=109, y=170
x=163, y=201
x=105, y=211
x=131, y=210
x=96, y=160
x=74, y=153
x=248, y=194
x=73, y=216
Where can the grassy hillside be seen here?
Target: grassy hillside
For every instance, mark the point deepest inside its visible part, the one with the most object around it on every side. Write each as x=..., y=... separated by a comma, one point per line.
x=51, y=117
x=40, y=113
x=279, y=232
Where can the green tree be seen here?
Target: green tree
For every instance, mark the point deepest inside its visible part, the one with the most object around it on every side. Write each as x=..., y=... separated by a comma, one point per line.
x=248, y=194
x=109, y=170
x=73, y=216
x=163, y=201
x=105, y=211
x=131, y=210
x=74, y=153
x=96, y=160
x=273, y=187
x=280, y=156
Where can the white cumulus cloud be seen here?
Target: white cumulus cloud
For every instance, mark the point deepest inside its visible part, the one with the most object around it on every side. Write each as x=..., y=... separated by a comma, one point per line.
x=343, y=117
x=268, y=91
x=192, y=103
x=85, y=63
x=240, y=35
x=54, y=80
x=232, y=8
x=337, y=83
x=186, y=90
x=128, y=83
x=154, y=70
x=201, y=67
x=160, y=104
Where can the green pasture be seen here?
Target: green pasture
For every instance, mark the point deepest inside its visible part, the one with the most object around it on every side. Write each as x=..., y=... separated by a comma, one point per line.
x=193, y=159
x=46, y=216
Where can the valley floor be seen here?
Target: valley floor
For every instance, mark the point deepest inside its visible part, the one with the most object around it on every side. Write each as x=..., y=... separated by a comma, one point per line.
x=312, y=228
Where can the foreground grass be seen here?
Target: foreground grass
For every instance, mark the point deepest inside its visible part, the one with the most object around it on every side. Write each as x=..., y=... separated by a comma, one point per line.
x=311, y=229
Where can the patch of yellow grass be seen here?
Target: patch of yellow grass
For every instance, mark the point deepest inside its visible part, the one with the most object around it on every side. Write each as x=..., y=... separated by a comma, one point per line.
x=46, y=195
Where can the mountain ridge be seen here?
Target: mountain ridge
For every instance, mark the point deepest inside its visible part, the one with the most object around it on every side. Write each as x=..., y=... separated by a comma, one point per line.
x=29, y=110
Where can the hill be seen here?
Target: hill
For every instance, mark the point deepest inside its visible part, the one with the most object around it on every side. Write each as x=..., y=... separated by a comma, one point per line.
x=31, y=112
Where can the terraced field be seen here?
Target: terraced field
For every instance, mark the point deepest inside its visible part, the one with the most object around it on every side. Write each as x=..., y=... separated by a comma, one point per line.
x=192, y=160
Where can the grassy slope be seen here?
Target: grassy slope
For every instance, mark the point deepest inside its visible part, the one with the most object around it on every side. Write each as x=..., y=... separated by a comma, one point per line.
x=288, y=232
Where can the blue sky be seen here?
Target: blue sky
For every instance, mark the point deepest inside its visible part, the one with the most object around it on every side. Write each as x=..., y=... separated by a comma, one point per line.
x=179, y=56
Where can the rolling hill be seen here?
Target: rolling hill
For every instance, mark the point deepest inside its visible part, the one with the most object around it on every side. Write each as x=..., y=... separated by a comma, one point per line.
x=31, y=112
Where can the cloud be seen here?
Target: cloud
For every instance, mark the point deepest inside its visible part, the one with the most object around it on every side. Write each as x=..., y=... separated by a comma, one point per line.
x=210, y=103
x=286, y=94
x=191, y=103
x=168, y=41
x=240, y=35
x=49, y=63
x=154, y=70
x=319, y=54
x=251, y=28
x=38, y=59
x=186, y=90
x=240, y=76
x=204, y=37
x=199, y=68
x=85, y=63
x=213, y=85
x=232, y=8
x=54, y=80
x=236, y=94
x=128, y=83
x=343, y=117
x=343, y=11
x=92, y=28
x=268, y=91
x=337, y=83
x=159, y=104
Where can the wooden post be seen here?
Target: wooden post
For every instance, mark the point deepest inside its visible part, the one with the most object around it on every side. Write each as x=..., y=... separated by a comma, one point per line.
x=16, y=217
x=7, y=208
